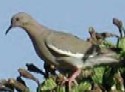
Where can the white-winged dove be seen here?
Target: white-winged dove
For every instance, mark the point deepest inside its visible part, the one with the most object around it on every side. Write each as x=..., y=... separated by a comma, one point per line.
x=63, y=50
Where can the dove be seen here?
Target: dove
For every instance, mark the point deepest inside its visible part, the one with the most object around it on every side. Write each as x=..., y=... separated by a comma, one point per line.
x=65, y=51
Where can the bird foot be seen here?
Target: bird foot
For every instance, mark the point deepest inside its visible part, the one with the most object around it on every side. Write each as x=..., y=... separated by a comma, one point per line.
x=70, y=81
x=72, y=78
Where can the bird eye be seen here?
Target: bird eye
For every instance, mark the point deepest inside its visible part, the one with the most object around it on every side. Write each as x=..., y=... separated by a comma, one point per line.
x=17, y=19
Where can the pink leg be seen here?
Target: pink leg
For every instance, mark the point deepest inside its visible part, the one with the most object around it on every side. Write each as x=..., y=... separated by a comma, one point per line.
x=72, y=78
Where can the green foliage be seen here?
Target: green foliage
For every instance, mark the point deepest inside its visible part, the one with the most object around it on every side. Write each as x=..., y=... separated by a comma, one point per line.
x=98, y=74
x=47, y=85
x=103, y=76
x=83, y=86
x=121, y=43
x=108, y=44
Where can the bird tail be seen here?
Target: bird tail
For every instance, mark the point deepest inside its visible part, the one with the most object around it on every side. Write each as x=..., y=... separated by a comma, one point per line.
x=100, y=60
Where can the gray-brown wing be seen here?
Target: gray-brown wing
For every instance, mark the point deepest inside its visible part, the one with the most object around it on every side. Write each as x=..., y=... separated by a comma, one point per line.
x=67, y=42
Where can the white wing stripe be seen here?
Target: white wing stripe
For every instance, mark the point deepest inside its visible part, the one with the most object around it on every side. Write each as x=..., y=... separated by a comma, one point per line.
x=68, y=53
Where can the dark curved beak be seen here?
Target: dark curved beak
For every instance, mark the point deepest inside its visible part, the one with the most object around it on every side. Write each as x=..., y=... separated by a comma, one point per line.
x=9, y=28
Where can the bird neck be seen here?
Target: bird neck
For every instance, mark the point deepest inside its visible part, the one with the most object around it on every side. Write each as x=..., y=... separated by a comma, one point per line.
x=34, y=29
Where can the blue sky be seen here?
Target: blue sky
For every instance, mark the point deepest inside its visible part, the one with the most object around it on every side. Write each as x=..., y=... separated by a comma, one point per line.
x=63, y=15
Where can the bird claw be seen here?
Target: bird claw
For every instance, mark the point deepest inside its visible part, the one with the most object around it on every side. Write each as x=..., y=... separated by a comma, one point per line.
x=70, y=81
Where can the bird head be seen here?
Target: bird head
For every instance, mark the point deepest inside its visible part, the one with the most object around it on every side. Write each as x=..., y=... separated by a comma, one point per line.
x=19, y=20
